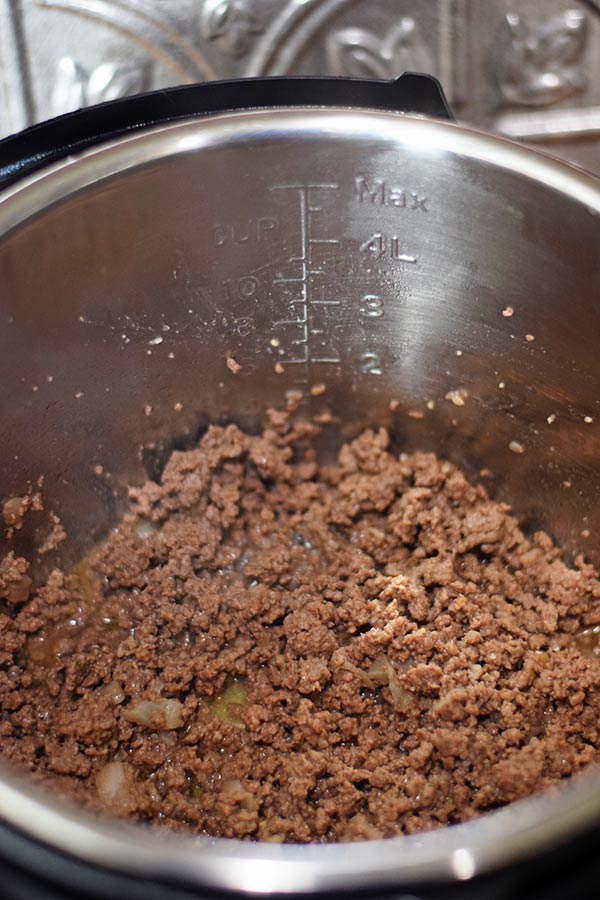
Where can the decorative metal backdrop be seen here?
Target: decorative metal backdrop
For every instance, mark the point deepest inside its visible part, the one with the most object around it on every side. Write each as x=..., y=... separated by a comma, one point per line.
x=526, y=68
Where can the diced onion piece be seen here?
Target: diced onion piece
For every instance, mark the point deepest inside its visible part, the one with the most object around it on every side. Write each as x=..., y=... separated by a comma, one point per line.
x=381, y=670
x=362, y=676
x=114, y=784
x=232, y=786
x=243, y=796
x=114, y=692
x=402, y=699
x=144, y=528
x=157, y=715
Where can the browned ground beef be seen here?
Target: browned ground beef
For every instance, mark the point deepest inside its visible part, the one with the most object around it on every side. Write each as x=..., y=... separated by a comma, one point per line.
x=272, y=649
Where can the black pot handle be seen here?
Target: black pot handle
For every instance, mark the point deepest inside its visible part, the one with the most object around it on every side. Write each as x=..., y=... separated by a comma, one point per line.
x=50, y=141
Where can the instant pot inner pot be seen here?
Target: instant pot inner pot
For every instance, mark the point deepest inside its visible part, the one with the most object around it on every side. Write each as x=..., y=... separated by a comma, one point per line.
x=383, y=257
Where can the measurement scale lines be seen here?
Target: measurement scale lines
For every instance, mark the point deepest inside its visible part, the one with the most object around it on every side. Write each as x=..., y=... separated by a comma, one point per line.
x=307, y=323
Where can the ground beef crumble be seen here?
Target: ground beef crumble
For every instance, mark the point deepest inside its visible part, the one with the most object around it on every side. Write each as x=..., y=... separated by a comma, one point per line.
x=272, y=649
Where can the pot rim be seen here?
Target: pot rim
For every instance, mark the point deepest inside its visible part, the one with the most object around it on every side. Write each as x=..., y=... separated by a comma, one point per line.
x=457, y=852
x=51, y=184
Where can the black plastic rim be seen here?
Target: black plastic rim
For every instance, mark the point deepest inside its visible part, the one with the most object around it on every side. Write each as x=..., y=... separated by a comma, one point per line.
x=29, y=150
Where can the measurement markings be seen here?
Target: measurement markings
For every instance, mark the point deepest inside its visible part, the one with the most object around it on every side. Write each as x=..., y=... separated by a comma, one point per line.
x=301, y=321
x=303, y=187
x=308, y=241
x=288, y=280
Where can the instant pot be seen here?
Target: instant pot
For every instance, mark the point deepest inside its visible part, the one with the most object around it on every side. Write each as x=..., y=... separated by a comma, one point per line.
x=350, y=232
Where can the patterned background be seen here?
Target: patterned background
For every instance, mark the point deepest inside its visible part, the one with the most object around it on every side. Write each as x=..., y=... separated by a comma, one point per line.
x=526, y=68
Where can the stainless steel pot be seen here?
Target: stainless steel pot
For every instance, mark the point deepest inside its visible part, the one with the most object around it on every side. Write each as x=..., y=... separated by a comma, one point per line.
x=387, y=257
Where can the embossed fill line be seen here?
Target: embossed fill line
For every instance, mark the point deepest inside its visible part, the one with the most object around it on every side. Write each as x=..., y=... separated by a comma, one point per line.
x=298, y=360
x=303, y=187
x=301, y=321
x=288, y=280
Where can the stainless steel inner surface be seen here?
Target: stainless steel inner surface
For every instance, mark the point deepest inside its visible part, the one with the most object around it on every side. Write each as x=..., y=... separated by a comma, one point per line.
x=385, y=256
